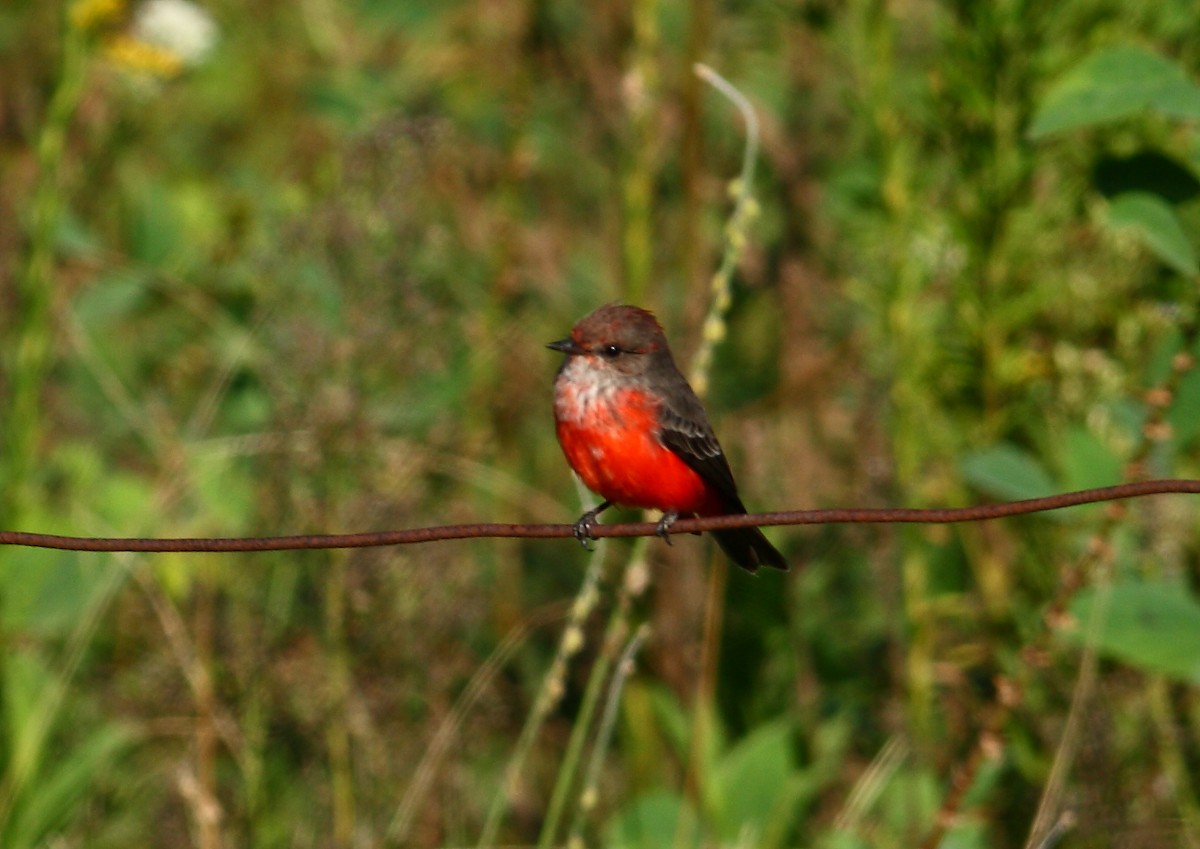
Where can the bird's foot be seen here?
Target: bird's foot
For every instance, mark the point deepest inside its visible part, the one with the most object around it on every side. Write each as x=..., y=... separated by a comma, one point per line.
x=583, y=527
x=664, y=526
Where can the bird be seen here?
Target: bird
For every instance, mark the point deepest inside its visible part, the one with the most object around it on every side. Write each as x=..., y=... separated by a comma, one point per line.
x=635, y=432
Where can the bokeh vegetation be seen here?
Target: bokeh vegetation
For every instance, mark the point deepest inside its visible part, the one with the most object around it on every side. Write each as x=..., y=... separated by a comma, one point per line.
x=299, y=280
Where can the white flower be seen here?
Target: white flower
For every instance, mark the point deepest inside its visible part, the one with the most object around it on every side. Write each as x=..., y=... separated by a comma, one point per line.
x=178, y=26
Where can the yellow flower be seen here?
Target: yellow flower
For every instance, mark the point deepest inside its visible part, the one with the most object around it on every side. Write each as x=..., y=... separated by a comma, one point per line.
x=140, y=57
x=165, y=38
x=91, y=14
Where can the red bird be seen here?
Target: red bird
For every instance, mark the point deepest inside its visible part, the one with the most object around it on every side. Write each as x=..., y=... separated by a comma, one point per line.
x=635, y=432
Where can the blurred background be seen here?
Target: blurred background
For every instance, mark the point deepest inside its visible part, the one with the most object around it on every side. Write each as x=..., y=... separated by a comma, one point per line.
x=275, y=268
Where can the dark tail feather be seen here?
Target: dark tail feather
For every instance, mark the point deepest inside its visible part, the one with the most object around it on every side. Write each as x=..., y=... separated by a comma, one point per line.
x=748, y=548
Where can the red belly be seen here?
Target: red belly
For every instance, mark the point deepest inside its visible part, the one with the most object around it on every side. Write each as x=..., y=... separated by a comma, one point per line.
x=621, y=458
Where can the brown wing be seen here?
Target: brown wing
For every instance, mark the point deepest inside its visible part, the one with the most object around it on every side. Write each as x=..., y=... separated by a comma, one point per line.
x=685, y=430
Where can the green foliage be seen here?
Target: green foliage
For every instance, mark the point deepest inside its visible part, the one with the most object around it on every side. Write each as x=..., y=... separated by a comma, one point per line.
x=754, y=790
x=1154, y=626
x=1184, y=415
x=304, y=285
x=44, y=786
x=1008, y=473
x=47, y=767
x=1117, y=83
x=657, y=819
x=750, y=790
x=1157, y=226
x=1114, y=83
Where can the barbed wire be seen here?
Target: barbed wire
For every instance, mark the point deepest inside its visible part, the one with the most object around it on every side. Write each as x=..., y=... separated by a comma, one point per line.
x=902, y=515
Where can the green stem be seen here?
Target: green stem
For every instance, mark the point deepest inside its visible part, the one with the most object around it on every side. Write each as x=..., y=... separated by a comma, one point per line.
x=548, y=696
x=637, y=183
x=614, y=634
x=28, y=363
x=337, y=735
x=608, y=722
x=33, y=737
x=744, y=211
x=696, y=779
x=1171, y=747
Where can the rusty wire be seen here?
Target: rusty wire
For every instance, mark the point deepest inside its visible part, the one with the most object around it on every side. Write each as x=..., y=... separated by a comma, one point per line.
x=977, y=513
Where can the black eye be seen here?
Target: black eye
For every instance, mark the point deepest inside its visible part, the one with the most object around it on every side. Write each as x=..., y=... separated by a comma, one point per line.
x=609, y=351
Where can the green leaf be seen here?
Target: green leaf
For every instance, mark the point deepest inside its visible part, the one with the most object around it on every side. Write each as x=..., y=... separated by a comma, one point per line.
x=1184, y=413
x=966, y=835
x=1154, y=626
x=1157, y=226
x=752, y=780
x=338, y=102
x=1161, y=362
x=1088, y=462
x=224, y=488
x=63, y=785
x=1005, y=471
x=75, y=238
x=25, y=678
x=48, y=592
x=153, y=234
x=652, y=821
x=111, y=297
x=1112, y=84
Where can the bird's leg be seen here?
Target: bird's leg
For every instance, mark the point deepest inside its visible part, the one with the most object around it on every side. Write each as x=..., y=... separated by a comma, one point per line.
x=664, y=526
x=583, y=528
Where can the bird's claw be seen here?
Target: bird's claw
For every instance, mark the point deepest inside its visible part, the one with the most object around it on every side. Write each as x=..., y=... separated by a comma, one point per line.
x=583, y=528
x=663, y=529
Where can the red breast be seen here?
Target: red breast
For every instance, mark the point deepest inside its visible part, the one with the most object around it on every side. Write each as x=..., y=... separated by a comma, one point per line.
x=610, y=436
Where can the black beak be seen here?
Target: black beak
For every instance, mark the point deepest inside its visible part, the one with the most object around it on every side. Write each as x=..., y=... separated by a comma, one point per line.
x=566, y=346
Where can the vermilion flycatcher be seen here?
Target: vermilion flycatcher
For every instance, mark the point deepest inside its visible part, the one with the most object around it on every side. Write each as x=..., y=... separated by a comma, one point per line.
x=635, y=432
